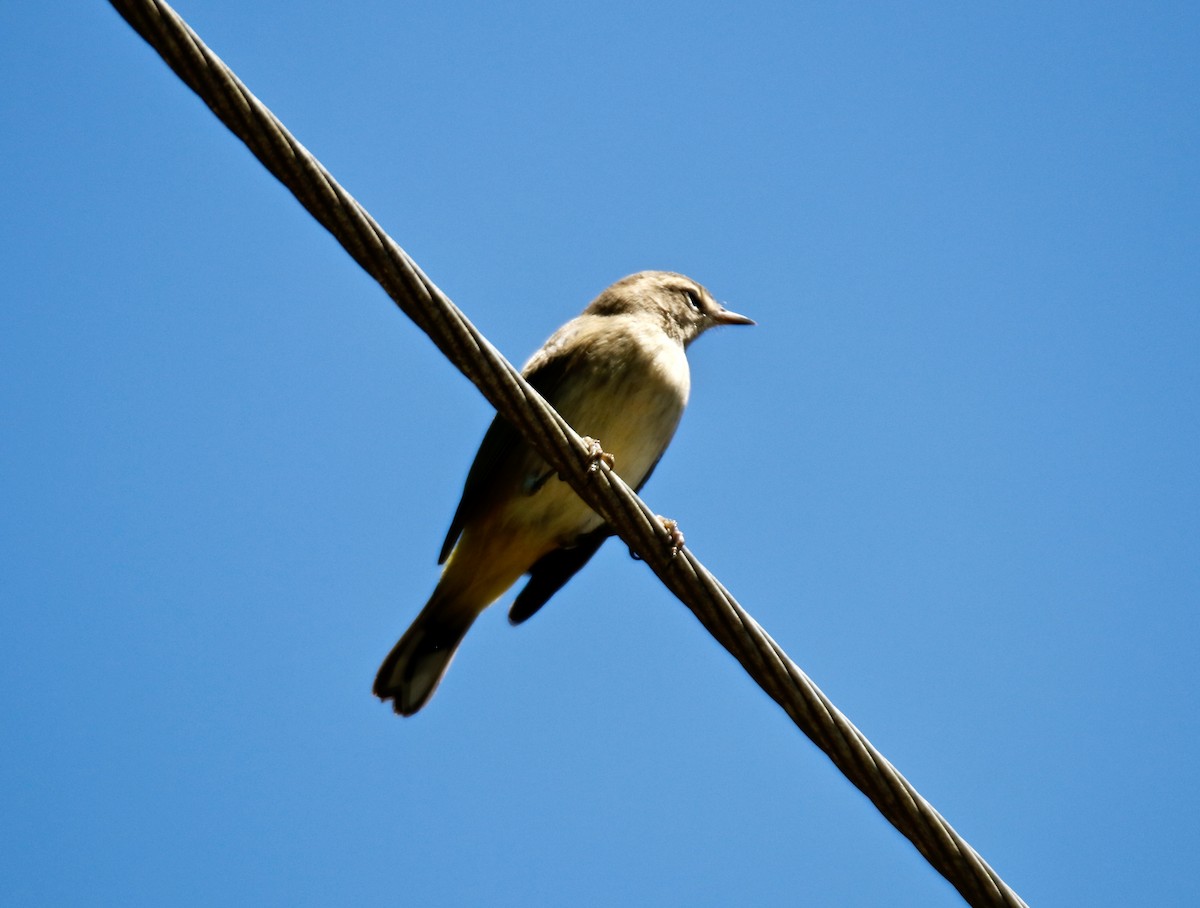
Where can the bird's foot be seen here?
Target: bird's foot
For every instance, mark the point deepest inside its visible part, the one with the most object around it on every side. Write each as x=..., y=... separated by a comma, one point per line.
x=674, y=534
x=673, y=531
x=597, y=455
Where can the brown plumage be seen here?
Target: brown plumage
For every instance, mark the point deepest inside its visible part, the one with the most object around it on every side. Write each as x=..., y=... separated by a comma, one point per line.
x=617, y=373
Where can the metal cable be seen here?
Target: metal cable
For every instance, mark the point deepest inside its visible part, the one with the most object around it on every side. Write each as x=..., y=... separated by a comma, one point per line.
x=563, y=449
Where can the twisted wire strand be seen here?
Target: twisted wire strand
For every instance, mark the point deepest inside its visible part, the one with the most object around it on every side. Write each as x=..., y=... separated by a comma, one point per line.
x=420, y=299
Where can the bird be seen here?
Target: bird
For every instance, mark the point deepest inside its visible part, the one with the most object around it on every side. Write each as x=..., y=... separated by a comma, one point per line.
x=619, y=375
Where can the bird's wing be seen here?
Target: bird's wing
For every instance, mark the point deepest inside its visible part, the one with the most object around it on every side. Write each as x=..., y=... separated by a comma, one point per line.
x=551, y=572
x=493, y=451
x=502, y=455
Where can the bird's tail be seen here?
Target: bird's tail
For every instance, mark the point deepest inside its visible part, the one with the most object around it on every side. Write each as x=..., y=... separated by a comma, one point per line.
x=415, y=666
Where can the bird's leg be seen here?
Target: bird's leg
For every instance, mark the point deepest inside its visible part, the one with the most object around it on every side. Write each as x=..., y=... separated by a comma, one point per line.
x=597, y=455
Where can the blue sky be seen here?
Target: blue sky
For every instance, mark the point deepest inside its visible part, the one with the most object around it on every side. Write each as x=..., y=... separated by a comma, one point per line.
x=953, y=471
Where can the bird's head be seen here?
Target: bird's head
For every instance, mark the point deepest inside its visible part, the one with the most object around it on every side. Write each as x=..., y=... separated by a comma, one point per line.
x=681, y=306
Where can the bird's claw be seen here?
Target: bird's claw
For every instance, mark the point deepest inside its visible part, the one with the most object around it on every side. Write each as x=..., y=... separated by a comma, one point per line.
x=597, y=455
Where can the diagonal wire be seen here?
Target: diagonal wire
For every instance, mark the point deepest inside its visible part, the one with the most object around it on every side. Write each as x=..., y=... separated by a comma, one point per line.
x=563, y=449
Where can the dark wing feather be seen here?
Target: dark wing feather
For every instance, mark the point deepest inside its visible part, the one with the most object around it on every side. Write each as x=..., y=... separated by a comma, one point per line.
x=501, y=448
x=551, y=572
x=496, y=447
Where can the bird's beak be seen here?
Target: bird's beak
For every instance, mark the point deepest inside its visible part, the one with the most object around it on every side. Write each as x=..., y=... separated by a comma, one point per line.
x=725, y=316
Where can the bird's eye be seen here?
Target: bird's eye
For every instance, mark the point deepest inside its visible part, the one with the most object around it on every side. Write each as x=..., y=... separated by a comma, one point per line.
x=693, y=300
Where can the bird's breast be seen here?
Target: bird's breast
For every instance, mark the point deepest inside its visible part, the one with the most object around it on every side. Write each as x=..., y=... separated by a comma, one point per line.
x=631, y=400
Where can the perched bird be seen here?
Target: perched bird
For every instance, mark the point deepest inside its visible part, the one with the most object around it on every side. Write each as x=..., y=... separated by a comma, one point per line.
x=616, y=373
